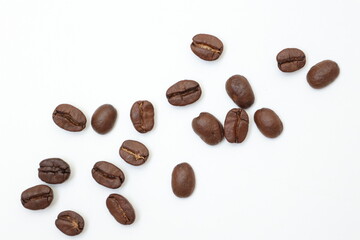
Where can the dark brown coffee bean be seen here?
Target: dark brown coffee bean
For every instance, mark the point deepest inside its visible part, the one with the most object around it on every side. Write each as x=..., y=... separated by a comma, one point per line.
x=183, y=93
x=291, y=59
x=142, y=116
x=208, y=128
x=107, y=174
x=134, y=152
x=239, y=90
x=69, y=118
x=322, y=74
x=207, y=47
x=104, y=118
x=70, y=223
x=236, y=125
x=37, y=197
x=268, y=122
x=54, y=170
x=121, y=209
x=183, y=180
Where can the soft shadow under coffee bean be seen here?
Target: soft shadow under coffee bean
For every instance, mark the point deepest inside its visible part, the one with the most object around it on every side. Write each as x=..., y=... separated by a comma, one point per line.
x=37, y=197
x=69, y=118
x=70, y=223
x=54, y=170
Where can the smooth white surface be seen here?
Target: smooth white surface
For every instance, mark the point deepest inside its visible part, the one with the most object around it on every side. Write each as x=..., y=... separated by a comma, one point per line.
x=303, y=185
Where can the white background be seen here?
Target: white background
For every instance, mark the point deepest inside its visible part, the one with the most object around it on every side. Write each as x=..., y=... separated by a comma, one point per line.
x=302, y=185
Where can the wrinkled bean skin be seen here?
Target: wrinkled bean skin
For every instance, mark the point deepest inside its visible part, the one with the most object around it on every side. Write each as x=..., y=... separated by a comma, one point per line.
x=291, y=59
x=70, y=223
x=54, y=170
x=322, y=74
x=107, y=174
x=69, y=118
x=207, y=47
x=104, y=118
x=183, y=93
x=134, y=152
x=236, y=125
x=183, y=180
x=37, y=197
x=268, y=122
x=121, y=209
x=208, y=128
x=142, y=116
x=239, y=90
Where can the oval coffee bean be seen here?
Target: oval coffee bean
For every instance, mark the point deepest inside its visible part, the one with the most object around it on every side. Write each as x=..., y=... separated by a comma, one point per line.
x=236, y=125
x=208, y=128
x=37, y=197
x=239, y=90
x=121, y=209
x=134, y=152
x=183, y=180
x=207, y=47
x=104, y=118
x=268, y=122
x=54, y=170
x=183, y=93
x=322, y=74
x=70, y=223
x=107, y=174
x=142, y=116
x=291, y=59
x=69, y=118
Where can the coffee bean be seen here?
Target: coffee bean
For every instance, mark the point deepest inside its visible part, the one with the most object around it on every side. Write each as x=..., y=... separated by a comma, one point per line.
x=239, y=90
x=69, y=118
x=142, y=116
x=107, y=174
x=322, y=74
x=183, y=93
x=70, y=223
x=291, y=59
x=121, y=209
x=208, y=128
x=236, y=125
x=183, y=180
x=37, y=197
x=54, y=170
x=207, y=47
x=104, y=118
x=134, y=152
x=268, y=122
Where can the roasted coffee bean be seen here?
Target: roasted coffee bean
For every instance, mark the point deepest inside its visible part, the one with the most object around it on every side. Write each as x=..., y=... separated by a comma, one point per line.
x=291, y=59
x=69, y=118
x=134, y=152
x=207, y=47
x=183, y=93
x=142, y=116
x=208, y=128
x=183, y=180
x=239, y=90
x=70, y=223
x=54, y=170
x=107, y=174
x=268, y=122
x=236, y=125
x=322, y=74
x=104, y=118
x=37, y=197
x=121, y=209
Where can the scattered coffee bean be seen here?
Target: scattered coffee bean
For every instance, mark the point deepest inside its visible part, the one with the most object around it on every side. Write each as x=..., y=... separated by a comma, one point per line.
x=236, y=125
x=104, y=118
x=142, y=116
x=54, y=170
x=183, y=93
x=207, y=47
x=183, y=180
x=268, y=122
x=69, y=118
x=291, y=59
x=322, y=74
x=107, y=174
x=208, y=128
x=121, y=209
x=134, y=152
x=37, y=197
x=239, y=90
x=70, y=223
